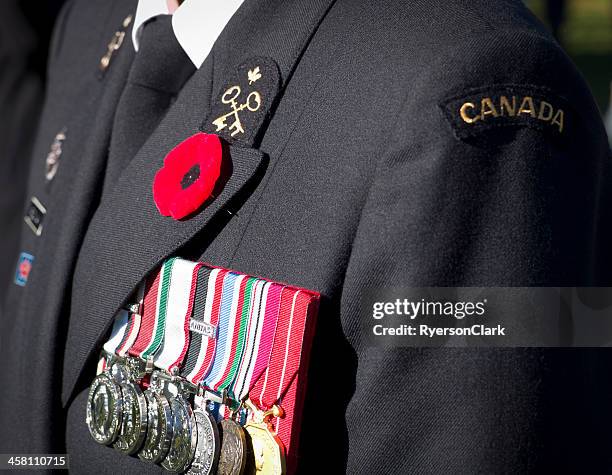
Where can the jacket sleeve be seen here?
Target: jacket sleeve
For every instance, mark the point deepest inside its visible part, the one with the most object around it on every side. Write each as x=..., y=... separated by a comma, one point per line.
x=512, y=203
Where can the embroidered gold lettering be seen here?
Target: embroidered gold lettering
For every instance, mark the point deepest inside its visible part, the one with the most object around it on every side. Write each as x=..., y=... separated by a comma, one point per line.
x=546, y=111
x=464, y=115
x=558, y=119
x=527, y=107
x=506, y=108
x=490, y=108
x=487, y=108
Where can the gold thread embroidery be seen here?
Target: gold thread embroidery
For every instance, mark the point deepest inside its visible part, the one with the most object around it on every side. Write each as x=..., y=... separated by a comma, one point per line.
x=465, y=116
x=230, y=96
x=558, y=119
x=506, y=106
x=545, y=107
x=527, y=107
x=253, y=75
x=487, y=108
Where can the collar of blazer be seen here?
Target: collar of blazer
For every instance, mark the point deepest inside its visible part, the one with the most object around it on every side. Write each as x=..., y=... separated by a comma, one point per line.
x=127, y=237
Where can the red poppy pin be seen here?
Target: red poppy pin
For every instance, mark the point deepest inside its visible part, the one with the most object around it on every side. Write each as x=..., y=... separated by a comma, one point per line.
x=188, y=177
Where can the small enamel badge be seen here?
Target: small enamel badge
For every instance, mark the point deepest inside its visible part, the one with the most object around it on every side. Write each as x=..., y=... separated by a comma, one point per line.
x=244, y=103
x=24, y=267
x=54, y=155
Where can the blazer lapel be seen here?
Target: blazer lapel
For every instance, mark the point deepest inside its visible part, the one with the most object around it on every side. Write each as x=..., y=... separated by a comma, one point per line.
x=127, y=236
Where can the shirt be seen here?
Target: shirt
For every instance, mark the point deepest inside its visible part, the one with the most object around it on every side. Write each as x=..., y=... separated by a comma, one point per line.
x=196, y=23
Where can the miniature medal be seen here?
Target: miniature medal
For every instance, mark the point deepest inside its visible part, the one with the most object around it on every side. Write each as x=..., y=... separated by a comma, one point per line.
x=268, y=449
x=208, y=444
x=233, y=456
x=134, y=421
x=268, y=453
x=184, y=438
x=104, y=409
x=105, y=400
x=159, y=427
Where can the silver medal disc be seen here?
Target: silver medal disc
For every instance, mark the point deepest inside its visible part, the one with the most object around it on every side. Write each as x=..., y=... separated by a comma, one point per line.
x=208, y=445
x=184, y=438
x=134, y=421
x=159, y=427
x=104, y=409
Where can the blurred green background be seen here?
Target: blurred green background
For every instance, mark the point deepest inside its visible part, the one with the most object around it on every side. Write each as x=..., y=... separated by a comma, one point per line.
x=585, y=31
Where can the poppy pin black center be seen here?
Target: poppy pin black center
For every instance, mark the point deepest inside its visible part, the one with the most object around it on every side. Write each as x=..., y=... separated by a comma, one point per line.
x=190, y=177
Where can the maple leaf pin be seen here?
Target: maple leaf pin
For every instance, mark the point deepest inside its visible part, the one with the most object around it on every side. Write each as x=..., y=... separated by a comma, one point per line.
x=254, y=75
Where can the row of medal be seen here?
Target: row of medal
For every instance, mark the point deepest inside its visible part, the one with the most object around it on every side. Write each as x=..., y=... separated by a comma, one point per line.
x=177, y=379
x=173, y=424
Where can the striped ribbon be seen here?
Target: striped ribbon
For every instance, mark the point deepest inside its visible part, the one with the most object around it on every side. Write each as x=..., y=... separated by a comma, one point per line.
x=251, y=343
x=161, y=307
x=166, y=301
x=148, y=312
x=177, y=313
x=293, y=379
x=123, y=333
x=152, y=325
x=260, y=338
x=286, y=354
x=200, y=354
x=133, y=328
x=241, y=322
x=117, y=333
x=229, y=302
x=284, y=380
x=238, y=335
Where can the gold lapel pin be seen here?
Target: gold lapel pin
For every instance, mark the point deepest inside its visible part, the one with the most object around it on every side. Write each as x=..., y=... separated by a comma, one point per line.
x=114, y=45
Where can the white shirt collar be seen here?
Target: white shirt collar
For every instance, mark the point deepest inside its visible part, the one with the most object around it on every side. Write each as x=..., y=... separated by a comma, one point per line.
x=146, y=10
x=196, y=23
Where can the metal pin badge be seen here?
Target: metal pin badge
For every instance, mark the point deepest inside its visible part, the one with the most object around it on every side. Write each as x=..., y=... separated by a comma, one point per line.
x=53, y=157
x=35, y=215
x=114, y=44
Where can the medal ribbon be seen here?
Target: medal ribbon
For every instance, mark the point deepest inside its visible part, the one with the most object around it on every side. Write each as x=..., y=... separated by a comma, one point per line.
x=159, y=328
x=150, y=325
x=241, y=322
x=229, y=303
x=177, y=313
x=286, y=351
x=287, y=428
x=117, y=336
x=250, y=344
x=261, y=336
x=206, y=310
x=117, y=333
x=230, y=297
x=134, y=323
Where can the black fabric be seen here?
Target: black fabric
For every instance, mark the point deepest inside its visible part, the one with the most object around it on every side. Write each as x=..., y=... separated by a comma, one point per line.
x=359, y=181
x=24, y=45
x=158, y=73
x=85, y=107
